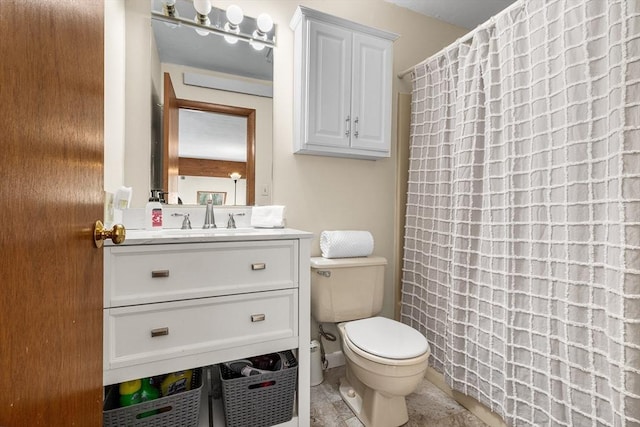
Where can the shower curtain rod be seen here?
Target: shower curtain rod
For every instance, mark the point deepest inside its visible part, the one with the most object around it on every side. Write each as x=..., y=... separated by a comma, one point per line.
x=464, y=39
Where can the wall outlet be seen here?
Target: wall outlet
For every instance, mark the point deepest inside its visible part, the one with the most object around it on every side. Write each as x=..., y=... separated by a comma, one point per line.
x=265, y=190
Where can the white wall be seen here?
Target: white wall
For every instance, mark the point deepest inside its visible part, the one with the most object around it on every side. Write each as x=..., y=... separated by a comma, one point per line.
x=137, y=154
x=114, y=94
x=328, y=193
x=321, y=193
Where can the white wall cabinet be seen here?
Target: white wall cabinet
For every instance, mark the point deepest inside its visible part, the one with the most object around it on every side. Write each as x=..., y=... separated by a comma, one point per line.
x=342, y=87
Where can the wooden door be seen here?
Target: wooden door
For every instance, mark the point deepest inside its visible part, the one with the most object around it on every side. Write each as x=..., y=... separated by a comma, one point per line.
x=51, y=169
x=170, y=139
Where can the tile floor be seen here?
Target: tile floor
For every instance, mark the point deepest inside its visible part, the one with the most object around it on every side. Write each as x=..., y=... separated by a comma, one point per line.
x=428, y=406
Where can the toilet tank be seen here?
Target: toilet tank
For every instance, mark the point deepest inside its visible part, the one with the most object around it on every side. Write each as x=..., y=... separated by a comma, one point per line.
x=345, y=289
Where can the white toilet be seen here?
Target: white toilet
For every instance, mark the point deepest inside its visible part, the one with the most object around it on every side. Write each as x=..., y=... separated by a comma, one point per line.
x=386, y=360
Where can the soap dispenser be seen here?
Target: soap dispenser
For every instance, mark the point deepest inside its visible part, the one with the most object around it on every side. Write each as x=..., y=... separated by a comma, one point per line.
x=153, y=211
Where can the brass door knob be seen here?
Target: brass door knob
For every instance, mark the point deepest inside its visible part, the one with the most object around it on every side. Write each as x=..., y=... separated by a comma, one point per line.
x=117, y=234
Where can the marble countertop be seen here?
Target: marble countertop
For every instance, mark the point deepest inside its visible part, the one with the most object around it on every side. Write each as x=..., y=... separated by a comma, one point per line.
x=172, y=236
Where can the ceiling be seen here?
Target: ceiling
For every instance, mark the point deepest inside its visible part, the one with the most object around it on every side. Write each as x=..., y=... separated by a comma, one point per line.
x=463, y=13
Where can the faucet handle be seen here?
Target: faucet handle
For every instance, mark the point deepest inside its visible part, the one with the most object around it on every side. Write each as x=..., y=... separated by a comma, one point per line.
x=232, y=222
x=186, y=222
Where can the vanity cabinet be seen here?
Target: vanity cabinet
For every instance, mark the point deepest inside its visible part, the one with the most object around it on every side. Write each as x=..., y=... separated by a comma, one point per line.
x=342, y=87
x=180, y=303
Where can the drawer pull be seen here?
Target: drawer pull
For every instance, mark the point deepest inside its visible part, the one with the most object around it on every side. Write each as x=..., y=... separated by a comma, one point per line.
x=259, y=266
x=257, y=317
x=160, y=332
x=160, y=273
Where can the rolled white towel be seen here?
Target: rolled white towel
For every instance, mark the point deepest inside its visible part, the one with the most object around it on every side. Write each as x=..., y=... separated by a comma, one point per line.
x=346, y=243
x=267, y=216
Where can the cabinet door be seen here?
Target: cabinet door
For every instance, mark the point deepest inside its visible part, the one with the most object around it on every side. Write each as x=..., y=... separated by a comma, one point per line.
x=329, y=86
x=371, y=93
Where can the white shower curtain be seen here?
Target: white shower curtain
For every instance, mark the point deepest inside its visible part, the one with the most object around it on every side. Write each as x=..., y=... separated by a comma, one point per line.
x=522, y=240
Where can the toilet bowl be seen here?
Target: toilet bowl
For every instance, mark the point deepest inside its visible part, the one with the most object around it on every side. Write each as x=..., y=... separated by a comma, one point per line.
x=385, y=359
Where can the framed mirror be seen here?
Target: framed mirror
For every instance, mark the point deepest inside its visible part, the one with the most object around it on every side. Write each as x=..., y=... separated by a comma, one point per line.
x=202, y=164
x=223, y=84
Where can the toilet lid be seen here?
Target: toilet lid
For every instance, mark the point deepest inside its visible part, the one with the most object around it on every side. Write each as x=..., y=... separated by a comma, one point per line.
x=386, y=338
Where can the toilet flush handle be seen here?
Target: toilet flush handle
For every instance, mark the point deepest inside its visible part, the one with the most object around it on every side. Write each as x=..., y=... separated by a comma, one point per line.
x=324, y=273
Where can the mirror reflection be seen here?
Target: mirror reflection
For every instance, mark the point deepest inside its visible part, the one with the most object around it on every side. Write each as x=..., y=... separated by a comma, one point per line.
x=216, y=145
x=199, y=128
x=222, y=126
x=225, y=138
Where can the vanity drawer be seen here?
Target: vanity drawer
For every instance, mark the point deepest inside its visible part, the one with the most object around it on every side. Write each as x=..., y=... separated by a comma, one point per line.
x=153, y=332
x=158, y=273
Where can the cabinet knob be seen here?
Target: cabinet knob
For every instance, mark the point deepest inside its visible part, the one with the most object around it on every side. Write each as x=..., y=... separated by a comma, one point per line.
x=259, y=266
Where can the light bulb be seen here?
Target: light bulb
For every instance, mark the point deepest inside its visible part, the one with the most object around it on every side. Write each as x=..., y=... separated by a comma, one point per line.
x=203, y=7
x=198, y=20
x=234, y=14
x=235, y=176
x=256, y=44
x=228, y=29
x=264, y=22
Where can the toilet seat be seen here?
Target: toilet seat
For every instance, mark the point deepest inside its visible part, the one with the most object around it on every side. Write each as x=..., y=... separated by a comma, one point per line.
x=386, y=338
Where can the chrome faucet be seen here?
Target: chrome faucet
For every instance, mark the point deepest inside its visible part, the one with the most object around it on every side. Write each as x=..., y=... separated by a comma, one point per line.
x=186, y=222
x=232, y=222
x=209, y=219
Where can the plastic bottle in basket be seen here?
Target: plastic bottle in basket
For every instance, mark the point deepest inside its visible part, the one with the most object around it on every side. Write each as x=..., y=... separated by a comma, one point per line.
x=242, y=367
x=176, y=382
x=130, y=392
x=267, y=362
x=256, y=365
x=148, y=392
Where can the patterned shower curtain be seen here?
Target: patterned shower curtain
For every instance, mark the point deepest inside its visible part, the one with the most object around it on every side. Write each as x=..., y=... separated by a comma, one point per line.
x=522, y=241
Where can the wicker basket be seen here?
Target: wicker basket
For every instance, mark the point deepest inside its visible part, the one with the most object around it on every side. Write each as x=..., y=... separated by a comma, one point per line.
x=182, y=409
x=259, y=400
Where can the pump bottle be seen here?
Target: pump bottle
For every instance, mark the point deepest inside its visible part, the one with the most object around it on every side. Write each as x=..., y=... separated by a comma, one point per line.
x=153, y=212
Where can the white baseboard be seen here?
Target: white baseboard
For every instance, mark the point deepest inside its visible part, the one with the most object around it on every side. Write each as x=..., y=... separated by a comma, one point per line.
x=334, y=359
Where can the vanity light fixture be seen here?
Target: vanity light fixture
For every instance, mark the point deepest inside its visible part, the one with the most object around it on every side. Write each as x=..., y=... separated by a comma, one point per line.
x=235, y=176
x=202, y=7
x=265, y=24
x=231, y=30
x=234, y=18
x=169, y=8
